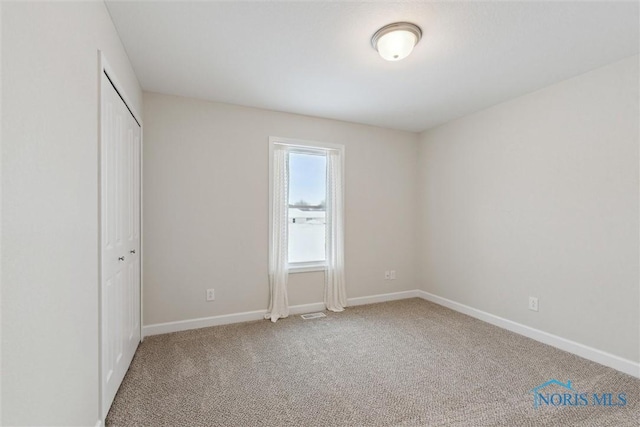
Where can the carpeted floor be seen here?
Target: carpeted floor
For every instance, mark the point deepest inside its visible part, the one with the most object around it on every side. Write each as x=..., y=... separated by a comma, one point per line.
x=404, y=363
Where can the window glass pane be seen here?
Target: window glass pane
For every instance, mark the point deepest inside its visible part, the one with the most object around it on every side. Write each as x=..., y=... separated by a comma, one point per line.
x=307, y=195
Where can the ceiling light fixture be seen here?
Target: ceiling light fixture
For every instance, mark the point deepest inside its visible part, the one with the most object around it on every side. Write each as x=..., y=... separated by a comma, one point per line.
x=396, y=41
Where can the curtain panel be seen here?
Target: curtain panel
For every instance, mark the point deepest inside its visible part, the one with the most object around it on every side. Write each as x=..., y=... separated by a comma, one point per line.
x=335, y=295
x=278, y=253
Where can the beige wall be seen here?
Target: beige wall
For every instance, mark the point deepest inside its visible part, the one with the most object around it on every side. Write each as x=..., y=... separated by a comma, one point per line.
x=206, y=207
x=50, y=207
x=539, y=197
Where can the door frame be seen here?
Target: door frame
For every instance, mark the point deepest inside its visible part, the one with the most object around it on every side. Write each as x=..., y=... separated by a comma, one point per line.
x=106, y=71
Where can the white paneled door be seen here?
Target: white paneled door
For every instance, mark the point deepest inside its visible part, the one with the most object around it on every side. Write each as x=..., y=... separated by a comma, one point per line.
x=120, y=240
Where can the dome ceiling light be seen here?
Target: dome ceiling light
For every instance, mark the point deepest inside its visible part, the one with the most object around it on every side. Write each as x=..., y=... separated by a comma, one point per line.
x=396, y=41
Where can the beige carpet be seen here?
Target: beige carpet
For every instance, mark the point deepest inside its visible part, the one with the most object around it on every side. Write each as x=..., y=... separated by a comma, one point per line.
x=404, y=363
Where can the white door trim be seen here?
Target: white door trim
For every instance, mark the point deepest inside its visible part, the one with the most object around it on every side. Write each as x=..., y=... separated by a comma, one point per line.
x=105, y=68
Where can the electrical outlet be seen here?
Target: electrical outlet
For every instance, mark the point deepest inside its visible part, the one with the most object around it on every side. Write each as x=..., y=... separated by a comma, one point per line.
x=393, y=275
x=533, y=303
x=387, y=275
x=211, y=295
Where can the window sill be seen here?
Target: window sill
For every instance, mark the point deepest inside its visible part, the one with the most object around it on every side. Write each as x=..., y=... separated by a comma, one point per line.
x=306, y=268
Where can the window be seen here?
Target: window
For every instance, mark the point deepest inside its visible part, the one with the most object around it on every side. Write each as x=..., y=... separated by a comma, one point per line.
x=306, y=197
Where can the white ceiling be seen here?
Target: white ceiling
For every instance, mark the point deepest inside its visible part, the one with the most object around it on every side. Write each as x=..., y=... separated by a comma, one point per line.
x=315, y=58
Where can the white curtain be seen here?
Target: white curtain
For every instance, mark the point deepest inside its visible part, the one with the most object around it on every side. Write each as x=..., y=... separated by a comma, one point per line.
x=278, y=254
x=335, y=295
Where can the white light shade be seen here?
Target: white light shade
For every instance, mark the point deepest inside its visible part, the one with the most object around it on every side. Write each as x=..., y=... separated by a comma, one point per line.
x=396, y=45
x=396, y=41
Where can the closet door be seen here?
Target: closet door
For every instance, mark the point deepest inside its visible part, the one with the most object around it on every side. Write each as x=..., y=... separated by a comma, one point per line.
x=120, y=241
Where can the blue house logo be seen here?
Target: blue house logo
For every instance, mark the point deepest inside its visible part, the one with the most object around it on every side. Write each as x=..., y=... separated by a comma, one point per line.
x=568, y=396
x=539, y=398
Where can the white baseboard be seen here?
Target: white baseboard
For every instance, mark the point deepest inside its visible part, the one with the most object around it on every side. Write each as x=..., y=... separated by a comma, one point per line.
x=225, y=319
x=607, y=359
x=373, y=299
x=202, y=322
x=305, y=308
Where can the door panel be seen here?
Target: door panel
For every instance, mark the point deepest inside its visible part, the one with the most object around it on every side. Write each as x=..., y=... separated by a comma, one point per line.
x=120, y=241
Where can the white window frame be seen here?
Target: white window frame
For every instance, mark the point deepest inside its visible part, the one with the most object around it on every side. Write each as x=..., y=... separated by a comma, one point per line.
x=300, y=146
